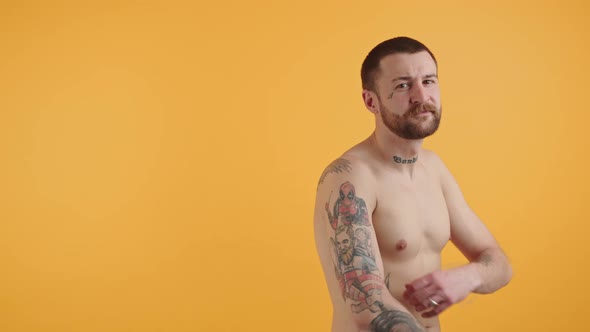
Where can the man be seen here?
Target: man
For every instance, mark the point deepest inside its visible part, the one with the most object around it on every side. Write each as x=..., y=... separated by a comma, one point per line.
x=386, y=208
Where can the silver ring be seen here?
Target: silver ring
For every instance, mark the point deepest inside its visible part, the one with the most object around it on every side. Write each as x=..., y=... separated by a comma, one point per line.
x=433, y=302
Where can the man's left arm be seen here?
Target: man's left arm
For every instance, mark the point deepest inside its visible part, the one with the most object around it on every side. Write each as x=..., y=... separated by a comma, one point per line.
x=487, y=271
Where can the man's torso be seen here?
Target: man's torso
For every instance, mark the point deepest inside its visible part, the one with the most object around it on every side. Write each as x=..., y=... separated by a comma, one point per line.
x=411, y=223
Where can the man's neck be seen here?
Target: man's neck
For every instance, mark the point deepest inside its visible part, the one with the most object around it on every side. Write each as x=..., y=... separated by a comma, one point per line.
x=401, y=153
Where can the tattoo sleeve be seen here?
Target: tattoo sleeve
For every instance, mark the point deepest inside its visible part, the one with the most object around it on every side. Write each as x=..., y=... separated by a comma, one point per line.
x=394, y=321
x=353, y=254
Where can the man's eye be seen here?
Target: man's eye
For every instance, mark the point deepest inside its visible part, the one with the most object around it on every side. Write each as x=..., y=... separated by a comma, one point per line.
x=403, y=86
x=427, y=82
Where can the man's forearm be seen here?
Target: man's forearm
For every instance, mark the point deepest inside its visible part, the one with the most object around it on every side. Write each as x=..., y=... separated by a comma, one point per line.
x=492, y=271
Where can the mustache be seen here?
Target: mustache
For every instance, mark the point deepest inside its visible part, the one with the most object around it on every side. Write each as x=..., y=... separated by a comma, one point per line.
x=423, y=107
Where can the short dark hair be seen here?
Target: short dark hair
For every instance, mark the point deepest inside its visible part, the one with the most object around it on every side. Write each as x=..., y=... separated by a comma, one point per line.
x=370, y=67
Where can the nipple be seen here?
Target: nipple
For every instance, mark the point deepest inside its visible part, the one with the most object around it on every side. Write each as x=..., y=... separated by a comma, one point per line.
x=401, y=245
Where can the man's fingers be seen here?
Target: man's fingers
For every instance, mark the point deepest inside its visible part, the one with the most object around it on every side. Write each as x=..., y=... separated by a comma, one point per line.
x=436, y=297
x=406, y=294
x=421, y=296
x=419, y=283
x=427, y=305
x=436, y=310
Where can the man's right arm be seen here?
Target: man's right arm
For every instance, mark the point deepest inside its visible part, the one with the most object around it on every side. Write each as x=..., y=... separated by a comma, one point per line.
x=344, y=206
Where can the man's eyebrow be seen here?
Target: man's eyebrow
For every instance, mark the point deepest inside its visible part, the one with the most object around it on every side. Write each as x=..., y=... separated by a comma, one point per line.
x=401, y=78
x=409, y=78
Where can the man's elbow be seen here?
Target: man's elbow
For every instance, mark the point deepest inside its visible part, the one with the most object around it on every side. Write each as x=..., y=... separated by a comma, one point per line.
x=498, y=269
x=507, y=272
x=504, y=266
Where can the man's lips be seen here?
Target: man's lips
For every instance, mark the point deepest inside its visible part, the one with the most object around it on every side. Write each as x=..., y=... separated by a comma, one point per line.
x=424, y=112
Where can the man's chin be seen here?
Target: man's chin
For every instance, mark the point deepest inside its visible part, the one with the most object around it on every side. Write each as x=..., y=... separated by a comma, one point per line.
x=423, y=134
x=420, y=133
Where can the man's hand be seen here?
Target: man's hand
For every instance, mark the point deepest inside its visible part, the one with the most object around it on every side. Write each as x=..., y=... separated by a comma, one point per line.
x=440, y=289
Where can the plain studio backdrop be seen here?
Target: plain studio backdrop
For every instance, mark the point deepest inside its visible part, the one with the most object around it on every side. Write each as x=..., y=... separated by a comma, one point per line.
x=159, y=159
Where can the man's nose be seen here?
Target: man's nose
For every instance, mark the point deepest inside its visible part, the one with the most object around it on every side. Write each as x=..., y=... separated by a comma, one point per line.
x=419, y=94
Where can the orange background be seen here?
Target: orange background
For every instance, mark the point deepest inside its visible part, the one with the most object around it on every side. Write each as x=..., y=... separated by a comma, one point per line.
x=160, y=159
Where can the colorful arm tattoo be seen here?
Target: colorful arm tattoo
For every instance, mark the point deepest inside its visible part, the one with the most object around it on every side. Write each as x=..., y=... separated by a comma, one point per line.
x=353, y=256
x=353, y=252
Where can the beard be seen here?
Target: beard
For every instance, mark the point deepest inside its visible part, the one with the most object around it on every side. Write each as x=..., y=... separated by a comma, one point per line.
x=409, y=125
x=346, y=255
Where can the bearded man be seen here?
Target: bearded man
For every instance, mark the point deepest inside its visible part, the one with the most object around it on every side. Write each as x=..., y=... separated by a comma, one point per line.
x=398, y=206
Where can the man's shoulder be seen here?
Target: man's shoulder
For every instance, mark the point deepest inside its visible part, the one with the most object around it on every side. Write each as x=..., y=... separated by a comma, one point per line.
x=433, y=160
x=346, y=167
x=343, y=166
x=430, y=155
x=349, y=173
x=437, y=166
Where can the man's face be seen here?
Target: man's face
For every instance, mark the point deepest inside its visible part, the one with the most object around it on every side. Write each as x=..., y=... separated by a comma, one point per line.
x=409, y=95
x=343, y=242
x=344, y=247
x=347, y=193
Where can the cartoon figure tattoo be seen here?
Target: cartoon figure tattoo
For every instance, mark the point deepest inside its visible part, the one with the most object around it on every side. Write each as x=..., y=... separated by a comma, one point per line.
x=353, y=253
x=348, y=208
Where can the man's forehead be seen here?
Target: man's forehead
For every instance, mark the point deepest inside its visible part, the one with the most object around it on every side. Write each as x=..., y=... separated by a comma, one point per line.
x=407, y=65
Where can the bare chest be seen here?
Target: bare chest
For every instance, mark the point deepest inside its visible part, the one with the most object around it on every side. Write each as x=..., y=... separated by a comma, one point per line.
x=411, y=219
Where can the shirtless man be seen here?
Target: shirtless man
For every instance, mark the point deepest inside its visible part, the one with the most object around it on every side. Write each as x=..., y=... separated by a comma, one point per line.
x=386, y=208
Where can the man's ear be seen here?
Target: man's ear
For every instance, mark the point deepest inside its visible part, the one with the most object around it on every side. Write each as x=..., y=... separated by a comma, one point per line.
x=371, y=101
